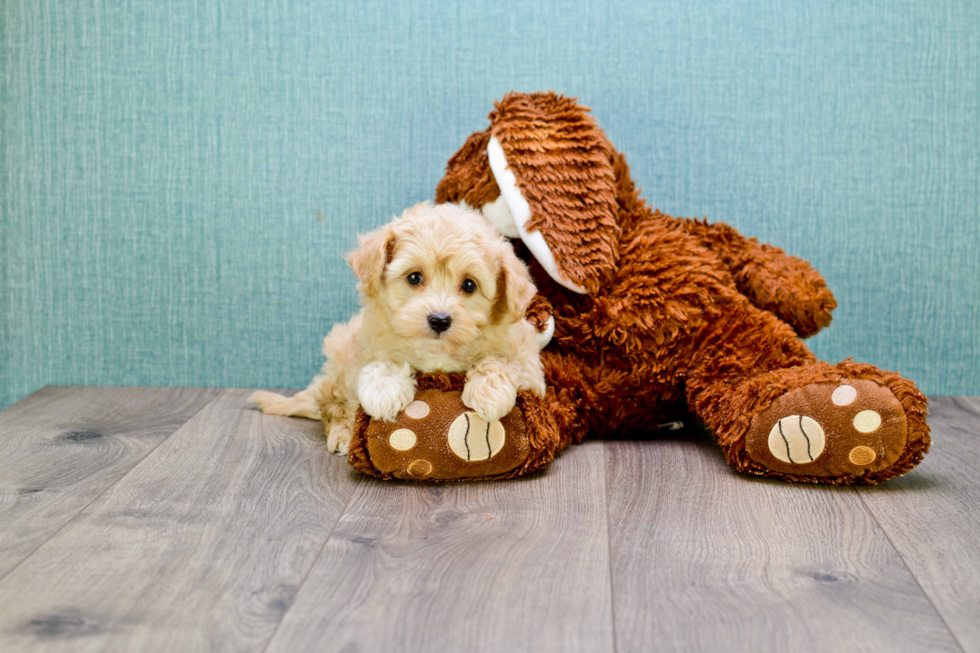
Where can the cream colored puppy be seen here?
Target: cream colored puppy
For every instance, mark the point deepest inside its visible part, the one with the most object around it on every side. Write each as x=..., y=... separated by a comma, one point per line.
x=441, y=290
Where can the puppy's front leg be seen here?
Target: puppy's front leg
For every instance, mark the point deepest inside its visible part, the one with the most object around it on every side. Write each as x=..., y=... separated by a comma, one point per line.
x=384, y=389
x=491, y=388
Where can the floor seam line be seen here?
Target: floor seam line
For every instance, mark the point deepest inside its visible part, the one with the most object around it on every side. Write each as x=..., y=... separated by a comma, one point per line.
x=299, y=587
x=109, y=487
x=901, y=557
x=609, y=556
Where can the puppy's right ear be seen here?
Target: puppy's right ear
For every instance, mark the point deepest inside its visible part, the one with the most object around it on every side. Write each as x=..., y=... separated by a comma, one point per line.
x=370, y=259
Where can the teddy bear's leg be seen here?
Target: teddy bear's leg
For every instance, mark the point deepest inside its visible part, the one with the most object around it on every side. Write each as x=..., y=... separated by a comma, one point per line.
x=437, y=438
x=784, y=285
x=777, y=411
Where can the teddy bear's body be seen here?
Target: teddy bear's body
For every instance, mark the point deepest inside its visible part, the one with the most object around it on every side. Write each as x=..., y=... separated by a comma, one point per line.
x=649, y=336
x=652, y=311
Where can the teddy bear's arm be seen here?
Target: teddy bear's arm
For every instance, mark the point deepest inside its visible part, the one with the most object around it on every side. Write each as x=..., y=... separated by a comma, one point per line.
x=774, y=281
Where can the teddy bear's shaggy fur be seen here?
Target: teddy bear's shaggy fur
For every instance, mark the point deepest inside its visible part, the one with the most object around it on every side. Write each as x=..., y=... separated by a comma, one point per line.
x=652, y=312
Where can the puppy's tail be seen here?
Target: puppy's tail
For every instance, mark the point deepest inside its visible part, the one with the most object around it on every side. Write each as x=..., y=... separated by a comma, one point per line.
x=301, y=404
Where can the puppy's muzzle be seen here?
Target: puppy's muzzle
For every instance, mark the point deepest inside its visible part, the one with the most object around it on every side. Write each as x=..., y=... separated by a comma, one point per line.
x=439, y=322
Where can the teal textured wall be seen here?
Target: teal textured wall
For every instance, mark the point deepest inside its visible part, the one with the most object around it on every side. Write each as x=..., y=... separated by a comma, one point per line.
x=178, y=180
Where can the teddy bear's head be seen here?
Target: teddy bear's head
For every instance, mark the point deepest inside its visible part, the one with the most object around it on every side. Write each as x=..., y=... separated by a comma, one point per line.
x=543, y=173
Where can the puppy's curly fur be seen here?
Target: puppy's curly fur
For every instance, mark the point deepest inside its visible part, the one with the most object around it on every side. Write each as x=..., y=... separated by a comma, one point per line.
x=441, y=290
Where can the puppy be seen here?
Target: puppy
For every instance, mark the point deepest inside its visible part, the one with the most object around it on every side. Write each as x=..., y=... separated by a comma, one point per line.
x=441, y=290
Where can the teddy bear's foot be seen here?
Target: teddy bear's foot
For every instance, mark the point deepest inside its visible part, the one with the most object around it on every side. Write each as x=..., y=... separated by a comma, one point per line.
x=848, y=431
x=437, y=438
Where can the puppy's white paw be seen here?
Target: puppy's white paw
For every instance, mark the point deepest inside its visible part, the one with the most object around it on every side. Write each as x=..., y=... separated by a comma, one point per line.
x=492, y=396
x=338, y=439
x=384, y=390
x=385, y=401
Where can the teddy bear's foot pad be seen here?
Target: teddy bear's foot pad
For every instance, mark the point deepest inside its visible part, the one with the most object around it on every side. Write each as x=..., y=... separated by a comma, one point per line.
x=437, y=438
x=829, y=429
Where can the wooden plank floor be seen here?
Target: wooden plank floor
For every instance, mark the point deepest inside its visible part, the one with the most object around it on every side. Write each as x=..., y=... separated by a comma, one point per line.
x=142, y=519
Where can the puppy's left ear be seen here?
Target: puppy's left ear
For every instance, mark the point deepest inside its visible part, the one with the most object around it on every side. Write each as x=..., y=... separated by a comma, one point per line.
x=515, y=289
x=370, y=259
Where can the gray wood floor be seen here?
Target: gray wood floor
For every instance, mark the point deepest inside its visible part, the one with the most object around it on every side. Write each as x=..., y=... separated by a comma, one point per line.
x=143, y=519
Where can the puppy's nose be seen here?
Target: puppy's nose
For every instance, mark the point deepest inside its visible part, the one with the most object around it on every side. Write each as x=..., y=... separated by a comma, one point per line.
x=440, y=322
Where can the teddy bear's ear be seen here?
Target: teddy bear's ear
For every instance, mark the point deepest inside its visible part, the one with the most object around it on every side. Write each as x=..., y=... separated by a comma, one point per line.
x=468, y=178
x=553, y=166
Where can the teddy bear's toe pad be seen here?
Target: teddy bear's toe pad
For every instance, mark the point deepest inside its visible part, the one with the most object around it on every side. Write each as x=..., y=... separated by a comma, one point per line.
x=437, y=438
x=826, y=429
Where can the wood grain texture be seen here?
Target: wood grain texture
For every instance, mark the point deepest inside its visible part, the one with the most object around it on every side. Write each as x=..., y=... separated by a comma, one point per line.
x=62, y=447
x=508, y=566
x=932, y=516
x=201, y=547
x=170, y=519
x=704, y=559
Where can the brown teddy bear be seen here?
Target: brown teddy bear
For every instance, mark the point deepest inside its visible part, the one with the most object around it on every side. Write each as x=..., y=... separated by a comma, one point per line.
x=646, y=312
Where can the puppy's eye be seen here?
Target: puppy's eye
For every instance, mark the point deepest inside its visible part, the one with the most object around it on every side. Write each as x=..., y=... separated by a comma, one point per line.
x=469, y=286
x=414, y=278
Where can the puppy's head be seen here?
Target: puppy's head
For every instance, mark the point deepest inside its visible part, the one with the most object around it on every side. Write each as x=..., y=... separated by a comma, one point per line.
x=439, y=276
